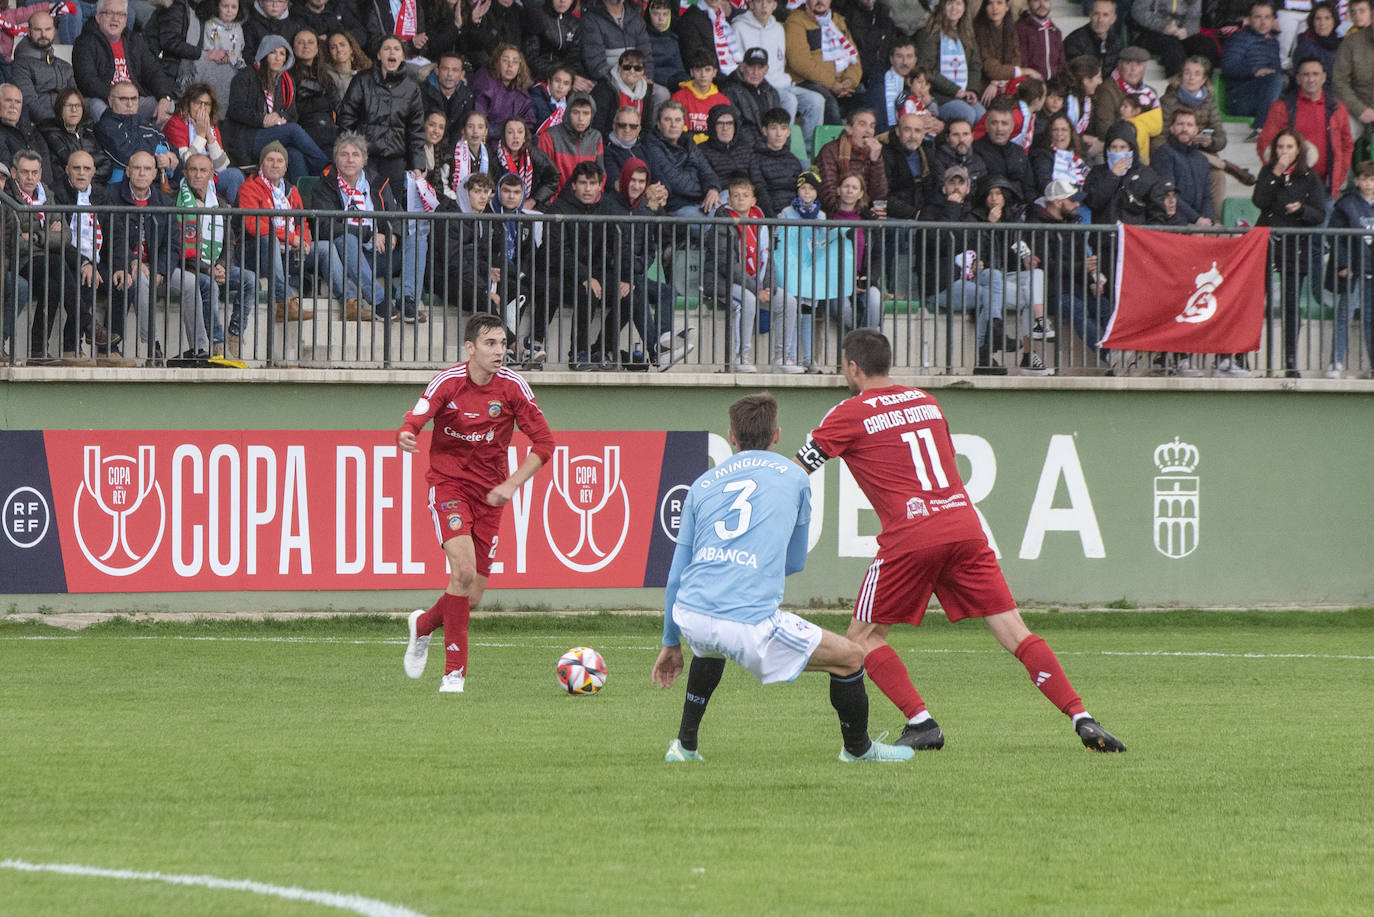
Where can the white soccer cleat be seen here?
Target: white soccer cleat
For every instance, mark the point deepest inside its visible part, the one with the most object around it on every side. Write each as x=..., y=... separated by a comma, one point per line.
x=417, y=648
x=677, y=753
x=452, y=683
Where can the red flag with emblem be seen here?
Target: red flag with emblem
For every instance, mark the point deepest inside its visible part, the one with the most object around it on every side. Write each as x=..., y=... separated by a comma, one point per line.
x=1188, y=294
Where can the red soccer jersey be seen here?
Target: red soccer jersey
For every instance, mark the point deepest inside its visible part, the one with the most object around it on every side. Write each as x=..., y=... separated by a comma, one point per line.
x=473, y=426
x=896, y=444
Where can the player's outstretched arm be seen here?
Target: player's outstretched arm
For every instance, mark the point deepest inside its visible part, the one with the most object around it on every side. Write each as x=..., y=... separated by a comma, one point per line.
x=668, y=666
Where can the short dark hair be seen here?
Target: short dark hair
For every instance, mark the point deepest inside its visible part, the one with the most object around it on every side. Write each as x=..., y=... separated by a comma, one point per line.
x=869, y=350
x=776, y=116
x=1258, y=3
x=510, y=178
x=480, y=322
x=1030, y=89
x=456, y=55
x=1004, y=104
x=1183, y=111
x=1364, y=169
x=479, y=180
x=581, y=102
x=587, y=168
x=754, y=420
x=904, y=41
x=630, y=56
x=854, y=115
x=1309, y=59
x=702, y=59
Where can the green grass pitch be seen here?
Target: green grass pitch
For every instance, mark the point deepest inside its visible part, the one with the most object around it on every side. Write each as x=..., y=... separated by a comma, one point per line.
x=298, y=754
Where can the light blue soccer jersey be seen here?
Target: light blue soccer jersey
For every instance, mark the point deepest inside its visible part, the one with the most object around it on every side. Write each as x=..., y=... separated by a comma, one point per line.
x=743, y=529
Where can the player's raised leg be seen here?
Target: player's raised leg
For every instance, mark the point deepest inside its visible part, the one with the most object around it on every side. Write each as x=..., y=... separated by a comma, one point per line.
x=843, y=659
x=1044, y=669
x=885, y=668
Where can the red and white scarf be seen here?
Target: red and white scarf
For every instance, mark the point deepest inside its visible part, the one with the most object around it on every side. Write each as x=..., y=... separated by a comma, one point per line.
x=1023, y=126
x=560, y=108
x=835, y=47
x=1068, y=167
x=1149, y=98
x=121, y=66
x=748, y=239
x=407, y=19
x=40, y=198
x=729, y=48
x=462, y=165
x=88, y=238
x=356, y=199
x=1080, y=111
x=281, y=200
x=521, y=164
x=420, y=195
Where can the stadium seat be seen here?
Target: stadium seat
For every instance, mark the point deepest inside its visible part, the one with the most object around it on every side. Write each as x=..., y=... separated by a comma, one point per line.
x=1219, y=87
x=799, y=145
x=824, y=134
x=1236, y=209
x=306, y=186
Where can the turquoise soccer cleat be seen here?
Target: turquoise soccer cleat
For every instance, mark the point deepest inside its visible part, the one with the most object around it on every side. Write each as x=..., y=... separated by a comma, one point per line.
x=879, y=751
x=677, y=753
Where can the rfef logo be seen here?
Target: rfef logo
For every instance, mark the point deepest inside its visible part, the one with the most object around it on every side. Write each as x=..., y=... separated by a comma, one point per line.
x=26, y=517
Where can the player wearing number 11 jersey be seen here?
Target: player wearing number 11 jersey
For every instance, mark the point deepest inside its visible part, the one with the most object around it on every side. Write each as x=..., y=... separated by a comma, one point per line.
x=743, y=529
x=896, y=444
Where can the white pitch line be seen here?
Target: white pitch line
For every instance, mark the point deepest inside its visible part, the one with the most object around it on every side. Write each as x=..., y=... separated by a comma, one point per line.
x=367, y=907
x=553, y=646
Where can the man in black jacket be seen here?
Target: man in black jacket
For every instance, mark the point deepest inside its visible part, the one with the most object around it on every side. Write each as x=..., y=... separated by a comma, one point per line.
x=588, y=267
x=17, y=131
x=140, y=249
x=446, y=91
x=106, y=52
x=776, y=167
x=751, y=94
x=123, y=131
x=325, y=16
x=1099, y=38
x=270, y=17
x=1004, y=158
x=88, y=261
x=957, y=150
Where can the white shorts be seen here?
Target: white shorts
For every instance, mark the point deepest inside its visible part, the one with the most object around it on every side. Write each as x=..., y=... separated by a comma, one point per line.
x=775, y=649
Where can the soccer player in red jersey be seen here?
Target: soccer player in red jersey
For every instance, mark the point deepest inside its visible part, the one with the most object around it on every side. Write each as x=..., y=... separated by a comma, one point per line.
x=475, y=407
x=895, y=441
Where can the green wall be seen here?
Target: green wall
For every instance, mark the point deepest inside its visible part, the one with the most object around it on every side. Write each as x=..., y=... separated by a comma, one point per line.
x=1285, y=512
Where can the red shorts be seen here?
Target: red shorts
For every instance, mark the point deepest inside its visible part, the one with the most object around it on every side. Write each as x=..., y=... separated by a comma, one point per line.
x=455, y=513
x=963, y=575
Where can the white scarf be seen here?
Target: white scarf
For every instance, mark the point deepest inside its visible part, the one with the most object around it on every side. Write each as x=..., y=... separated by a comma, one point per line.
x=88, y=239
x=280, y=201
x=835, y=47
x=420, y=195
x=40, y=197
x=462, y=165
x=1068, y=167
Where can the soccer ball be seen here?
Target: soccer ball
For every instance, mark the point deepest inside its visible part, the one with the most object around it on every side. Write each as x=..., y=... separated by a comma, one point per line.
x=581, y=670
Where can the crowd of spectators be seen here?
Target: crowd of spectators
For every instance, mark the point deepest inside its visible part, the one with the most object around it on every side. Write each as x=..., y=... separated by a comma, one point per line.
x=973, y=113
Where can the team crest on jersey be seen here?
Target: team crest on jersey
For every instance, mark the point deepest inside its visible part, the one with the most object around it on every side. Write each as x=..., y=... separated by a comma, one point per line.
x=493, y=409
x=448, y=505
x=916, y=507
x=455, y=522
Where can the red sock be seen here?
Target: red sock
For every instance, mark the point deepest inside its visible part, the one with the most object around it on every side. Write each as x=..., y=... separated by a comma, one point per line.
x=1044, y=668
x=885, y=670
x=432, y=619
x=455, y=612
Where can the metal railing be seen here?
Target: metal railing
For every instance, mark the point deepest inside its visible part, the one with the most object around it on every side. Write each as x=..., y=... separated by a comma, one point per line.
x=613, y=292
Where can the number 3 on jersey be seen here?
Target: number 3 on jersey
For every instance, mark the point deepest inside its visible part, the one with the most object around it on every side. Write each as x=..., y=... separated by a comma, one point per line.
x=741, y=506
x=931, y=460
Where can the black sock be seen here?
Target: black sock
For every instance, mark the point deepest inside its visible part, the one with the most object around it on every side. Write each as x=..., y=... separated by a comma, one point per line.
x=702, y=678
x=850, y=700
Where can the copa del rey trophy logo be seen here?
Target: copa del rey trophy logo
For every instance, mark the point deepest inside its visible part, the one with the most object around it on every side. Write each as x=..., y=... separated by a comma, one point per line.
x=595, y=498
x=1176, y=499
x=119, y=513
x=1202, y=305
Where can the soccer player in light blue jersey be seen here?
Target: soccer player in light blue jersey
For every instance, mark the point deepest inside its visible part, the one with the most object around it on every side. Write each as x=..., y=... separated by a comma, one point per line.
x=743, y=530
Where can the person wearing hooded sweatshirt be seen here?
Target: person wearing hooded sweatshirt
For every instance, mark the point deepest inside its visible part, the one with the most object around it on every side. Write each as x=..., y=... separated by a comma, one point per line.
x=1122, y=188
x=37, y=70
x=1023, y=280
x=262, y=110
x=573, y=140
x=650, y=302
x=268, y=17
x=730, y=154
x=699, y=95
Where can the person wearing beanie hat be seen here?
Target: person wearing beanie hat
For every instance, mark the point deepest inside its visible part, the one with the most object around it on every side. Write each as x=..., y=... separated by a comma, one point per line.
x=262, y=108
